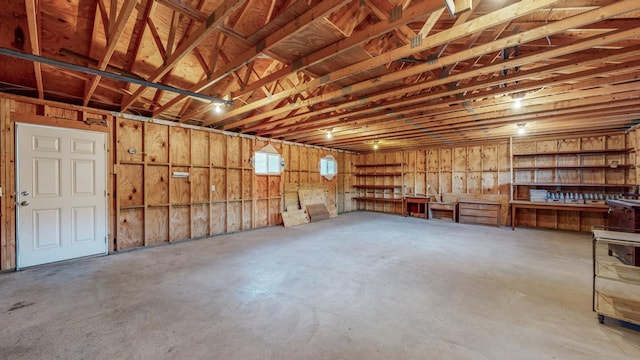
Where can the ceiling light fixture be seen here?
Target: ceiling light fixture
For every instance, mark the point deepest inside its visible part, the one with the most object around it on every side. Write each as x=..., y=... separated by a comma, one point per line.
x=517, y=104
x=329, y=133
x=375, y=145
x=521, y=129
x=517, y=99
x=217, y=109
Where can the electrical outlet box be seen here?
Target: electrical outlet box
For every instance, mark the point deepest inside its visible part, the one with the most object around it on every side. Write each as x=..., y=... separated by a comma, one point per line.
x=213, y=188
x=0, y=192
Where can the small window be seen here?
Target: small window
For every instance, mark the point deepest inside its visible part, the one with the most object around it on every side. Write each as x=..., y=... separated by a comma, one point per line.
x=267, y=161
x=328, y=167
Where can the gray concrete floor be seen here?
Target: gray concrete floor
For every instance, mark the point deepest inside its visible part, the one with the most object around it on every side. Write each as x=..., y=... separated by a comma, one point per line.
x=362, y=286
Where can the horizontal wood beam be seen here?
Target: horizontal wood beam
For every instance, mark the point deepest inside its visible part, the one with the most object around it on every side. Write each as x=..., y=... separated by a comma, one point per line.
x=483, y=22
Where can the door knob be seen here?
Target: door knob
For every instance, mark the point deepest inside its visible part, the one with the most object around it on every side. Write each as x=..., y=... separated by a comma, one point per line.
x=24, y=203
x=24, y=193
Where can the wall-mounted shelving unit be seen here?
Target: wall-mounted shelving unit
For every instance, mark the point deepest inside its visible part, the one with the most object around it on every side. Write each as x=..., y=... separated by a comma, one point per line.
x=592, y=168
x=379, y=184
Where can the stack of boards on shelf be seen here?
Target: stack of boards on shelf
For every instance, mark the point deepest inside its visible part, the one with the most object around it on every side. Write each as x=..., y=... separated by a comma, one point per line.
x=306, y=203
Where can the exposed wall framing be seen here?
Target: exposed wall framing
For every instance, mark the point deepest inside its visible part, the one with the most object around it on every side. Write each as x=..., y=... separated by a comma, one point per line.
x=148, y=206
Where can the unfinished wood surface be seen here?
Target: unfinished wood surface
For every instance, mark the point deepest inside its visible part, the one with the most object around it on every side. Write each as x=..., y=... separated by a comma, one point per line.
x=503, y=199
x=130, y=185
x=129, y=141
x=218, y=181
x=474, y=182
x=261, y=213
x=234, y=153
x=247, y=184
x=490, y=158
x=156, y=143
x=180, y=189
x=234, y=216
x=247, y=215
x=291, y=200
x=199, y=220
x=274, y=212
x=317, y=212
x=180, y=146
x=474, y=158
x=569, y=220
x=234, y=184
x=200, y=189
x=572, y=144
x=295, y=217
x=218, y=149
x=262, y=186
x=60, y=112
x=294, y=157
x=130, y=229
x=7, y=182
x=459, y=182
x=199, y=147
x=157, y=184
x=246, y=153
x=218, y=218
x=153, y=208
x=490, y=183
x=311, y=196
x=179, y=222
x=157, y=225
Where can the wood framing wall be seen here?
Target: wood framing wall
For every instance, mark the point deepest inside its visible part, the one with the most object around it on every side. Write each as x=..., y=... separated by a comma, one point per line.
x=147, y=205
x=447, y=173
x=484, y=172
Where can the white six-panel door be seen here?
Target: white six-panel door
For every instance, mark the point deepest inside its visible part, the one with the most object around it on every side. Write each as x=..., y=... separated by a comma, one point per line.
x=61, y=194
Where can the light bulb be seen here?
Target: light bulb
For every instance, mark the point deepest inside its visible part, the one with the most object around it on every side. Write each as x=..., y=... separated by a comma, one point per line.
x=521, y=131
x=217, y=109
x=517, y=104
x=329, y=135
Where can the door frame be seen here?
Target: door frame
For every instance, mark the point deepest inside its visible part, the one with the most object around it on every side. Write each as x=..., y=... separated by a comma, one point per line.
x=105, y=152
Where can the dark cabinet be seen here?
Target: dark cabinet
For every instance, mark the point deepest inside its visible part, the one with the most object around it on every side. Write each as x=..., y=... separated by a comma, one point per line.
x=625, y=214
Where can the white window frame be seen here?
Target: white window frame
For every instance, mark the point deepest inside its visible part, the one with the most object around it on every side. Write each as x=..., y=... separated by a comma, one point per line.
x=267, y=161
x=328, y=167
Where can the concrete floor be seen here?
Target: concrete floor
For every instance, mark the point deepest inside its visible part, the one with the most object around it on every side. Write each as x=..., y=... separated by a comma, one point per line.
x=362, y=286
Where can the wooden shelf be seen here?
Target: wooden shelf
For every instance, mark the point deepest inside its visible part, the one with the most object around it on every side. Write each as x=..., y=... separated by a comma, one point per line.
x=578, y=152
x=378, y=165
x=389, y=187
x=572, y=185
x=570, y=167
x=377, y=199
x=522, y=204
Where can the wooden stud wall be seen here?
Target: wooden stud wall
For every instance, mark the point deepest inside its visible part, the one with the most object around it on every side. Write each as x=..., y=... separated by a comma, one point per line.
x=469, y=172
x=221, y=194
x=150, y=207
